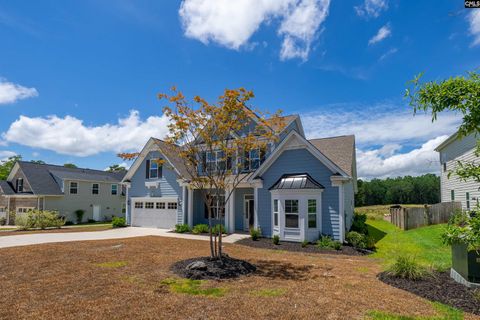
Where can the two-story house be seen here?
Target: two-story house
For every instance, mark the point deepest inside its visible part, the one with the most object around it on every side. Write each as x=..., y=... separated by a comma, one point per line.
x=298, y=189
x=65, y=190
x=452, y=188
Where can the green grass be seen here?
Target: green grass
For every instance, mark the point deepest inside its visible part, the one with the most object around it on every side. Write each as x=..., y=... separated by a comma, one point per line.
x=424, y=244
x=269, y=292
x=112, y=264
x=445, y=313
x=192, y=287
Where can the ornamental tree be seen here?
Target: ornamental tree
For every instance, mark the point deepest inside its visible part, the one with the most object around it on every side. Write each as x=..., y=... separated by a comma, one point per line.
x=216, y=142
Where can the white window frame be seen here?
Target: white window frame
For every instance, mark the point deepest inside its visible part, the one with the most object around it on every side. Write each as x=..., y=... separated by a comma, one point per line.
x=276, y=213
x=114, y=191
x=24, y=209
x=292, y=213
x=70, y=187
x=98, y=188
x=138, y=205
x=172, y=205
x=312, y=214
x=160, y=205
x=18, y=184
x=154, y=161
x=150, y=205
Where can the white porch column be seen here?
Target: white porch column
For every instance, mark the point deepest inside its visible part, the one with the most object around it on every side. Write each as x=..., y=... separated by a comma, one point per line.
x=8, y=211
x=231, y=213
x=127, y=207
x=255, y=207
x=190, y=207
x=184, y=203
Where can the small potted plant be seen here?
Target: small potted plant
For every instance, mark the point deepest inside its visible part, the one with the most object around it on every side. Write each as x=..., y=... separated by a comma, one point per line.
x=463, y=234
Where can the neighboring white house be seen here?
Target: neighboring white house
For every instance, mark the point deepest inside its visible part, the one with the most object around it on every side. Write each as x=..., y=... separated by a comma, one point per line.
x=452, y=188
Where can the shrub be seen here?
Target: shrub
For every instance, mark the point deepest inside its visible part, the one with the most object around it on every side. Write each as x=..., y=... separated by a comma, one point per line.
x=79, y=213
x=305, y=243
x=356, y=239
x=407, y=267
x=200, y=228
x=91, y=220
x=182, y=228
x=39, y=219
x=359, y=223
x=68, y=223
x=255, y=233
x=463, y=227
x=216, y=229
x=276, y=239
x=326, y=242
x=3, y=221
x=118, y=222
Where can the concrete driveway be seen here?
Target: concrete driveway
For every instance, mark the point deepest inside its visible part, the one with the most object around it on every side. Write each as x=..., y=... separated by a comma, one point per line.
x=120, y=233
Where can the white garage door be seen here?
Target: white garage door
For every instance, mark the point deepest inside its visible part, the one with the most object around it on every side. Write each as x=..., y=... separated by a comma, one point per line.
x=154, y=212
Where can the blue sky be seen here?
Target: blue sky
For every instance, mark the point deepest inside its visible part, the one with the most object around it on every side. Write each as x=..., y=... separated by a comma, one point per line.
x=79, y=78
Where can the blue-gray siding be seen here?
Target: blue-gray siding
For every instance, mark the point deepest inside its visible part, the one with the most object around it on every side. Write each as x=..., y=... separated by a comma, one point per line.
x=239, y=206
x=299, y=161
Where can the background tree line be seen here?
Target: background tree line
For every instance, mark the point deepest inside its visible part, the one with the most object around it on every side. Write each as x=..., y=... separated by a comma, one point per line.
x=401, y=190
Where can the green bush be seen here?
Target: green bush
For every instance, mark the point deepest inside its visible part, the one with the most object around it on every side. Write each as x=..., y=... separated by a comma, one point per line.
x=326, y=242
x=463, y=227
x=91, y=220
x=216, y=229
x=37, y=219
x=3, y=221
x=407, y=267
x=356, y=239
x=200, y=228
x=255, y=233
x=305, y=243
x=118, y=222
x=79, y=213
x=276, y=239
x=359, y=223
x=182, y=228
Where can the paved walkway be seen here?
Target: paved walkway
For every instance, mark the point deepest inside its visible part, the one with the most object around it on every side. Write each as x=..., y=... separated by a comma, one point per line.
x=121, y=233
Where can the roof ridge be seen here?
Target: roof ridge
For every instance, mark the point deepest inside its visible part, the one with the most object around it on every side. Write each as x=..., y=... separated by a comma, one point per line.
x=62, y=166
x=344, y=135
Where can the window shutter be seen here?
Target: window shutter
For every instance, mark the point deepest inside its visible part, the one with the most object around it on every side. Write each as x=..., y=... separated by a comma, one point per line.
x=147, y=166
x=160, y=169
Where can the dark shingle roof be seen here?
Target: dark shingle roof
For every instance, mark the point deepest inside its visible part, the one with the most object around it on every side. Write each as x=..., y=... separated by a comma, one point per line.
x=172, y=153
x=282, y=124
x=43, y=177
x=340, y=150
x=6, y=188
x=296, y=181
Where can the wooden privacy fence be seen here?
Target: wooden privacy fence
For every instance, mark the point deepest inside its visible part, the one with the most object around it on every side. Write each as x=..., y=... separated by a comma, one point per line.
x=411, y=218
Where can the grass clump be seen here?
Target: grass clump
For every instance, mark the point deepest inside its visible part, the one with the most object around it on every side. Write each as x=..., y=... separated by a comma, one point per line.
x=192, y=287
x=255, y=233
x=112, y=264
x=276, y=239
x=182, y=228
x=305, y=243
x=445, y=313
x=407, y=267
x=269, y=292
x=325, y=242
x=200, y=228
x=216, y=229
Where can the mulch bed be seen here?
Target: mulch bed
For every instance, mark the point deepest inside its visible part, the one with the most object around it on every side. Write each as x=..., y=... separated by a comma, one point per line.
x=213, y=269
x=266, y=243
x=438, y=287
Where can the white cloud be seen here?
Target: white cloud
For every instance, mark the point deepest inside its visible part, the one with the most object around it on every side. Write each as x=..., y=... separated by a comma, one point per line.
x=4, y=155
x=379, y=125
x=12, y=92
x=123, y=164
x=232, y=23
x=71, y=136
x=383, y=33
x=474, y=20
x=388, y=53
x=371, y=8
x=378, y=164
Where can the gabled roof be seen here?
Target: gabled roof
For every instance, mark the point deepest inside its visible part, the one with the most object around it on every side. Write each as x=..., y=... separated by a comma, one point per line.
x=41, y=177
x=171, y=152
x=287, y=120
x=6, y=188
x=340, y=150
x=296, y=181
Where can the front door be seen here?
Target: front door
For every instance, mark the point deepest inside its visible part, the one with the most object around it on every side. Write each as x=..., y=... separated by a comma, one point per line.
x=248, y=208
x=96, y=213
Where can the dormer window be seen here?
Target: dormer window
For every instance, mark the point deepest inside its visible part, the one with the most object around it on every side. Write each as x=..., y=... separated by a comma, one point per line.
x=19, y=185
x=154, y=170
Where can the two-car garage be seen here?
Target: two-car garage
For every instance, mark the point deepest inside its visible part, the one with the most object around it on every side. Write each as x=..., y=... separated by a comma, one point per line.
x=153, y=212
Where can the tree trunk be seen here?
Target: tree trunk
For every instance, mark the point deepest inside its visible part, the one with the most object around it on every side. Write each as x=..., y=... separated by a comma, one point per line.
x=212, y=252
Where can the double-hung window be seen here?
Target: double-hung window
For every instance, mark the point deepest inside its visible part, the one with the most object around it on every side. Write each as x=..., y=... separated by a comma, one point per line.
x=312, y=213
x=20, y=185
x=291, y=213
x=114, y=189
x=95, y=188
x=253, y=159
x=452, y=195
x=216, y=161
x=153, y=169
x=275, y=212
x=73, y=187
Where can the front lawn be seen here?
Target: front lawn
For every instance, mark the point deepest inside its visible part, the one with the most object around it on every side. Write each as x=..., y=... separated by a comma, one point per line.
x=132, y=279
x=424, y=243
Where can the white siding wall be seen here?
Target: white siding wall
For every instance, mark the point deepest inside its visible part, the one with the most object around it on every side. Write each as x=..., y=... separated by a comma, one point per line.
x=459, y=150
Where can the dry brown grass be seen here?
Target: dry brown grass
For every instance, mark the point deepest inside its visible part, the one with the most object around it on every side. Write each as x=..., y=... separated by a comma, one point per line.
x=69, y=281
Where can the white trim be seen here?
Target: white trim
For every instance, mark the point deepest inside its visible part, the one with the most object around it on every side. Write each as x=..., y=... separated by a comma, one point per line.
x=246, y=222
x=13, y=172
x=98, y=190
x=154, y=199
x=231, y=213
x=190, y=207
x=255, y=207
x=447, y=141
x=341, y=212
x=184, y=204
x=70, y=187
x=302, y=143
